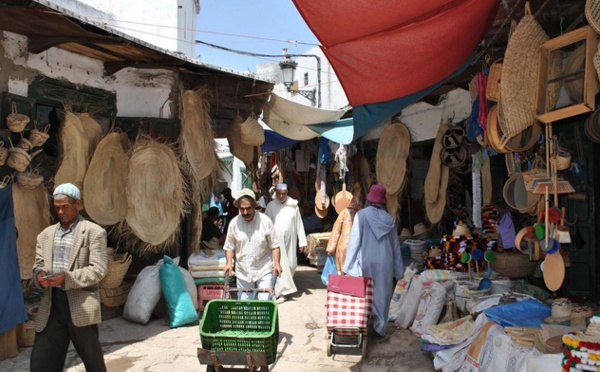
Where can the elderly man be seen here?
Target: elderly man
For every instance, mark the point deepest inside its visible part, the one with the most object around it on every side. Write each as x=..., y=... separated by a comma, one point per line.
x=70, y=261
x=285, y=214
x=252, y=239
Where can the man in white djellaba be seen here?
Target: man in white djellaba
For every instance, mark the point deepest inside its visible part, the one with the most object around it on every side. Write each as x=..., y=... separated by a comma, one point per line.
x=285, y=214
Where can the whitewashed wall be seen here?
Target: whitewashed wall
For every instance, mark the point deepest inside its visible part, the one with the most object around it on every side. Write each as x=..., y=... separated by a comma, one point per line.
x=144, y=93
x=168, y=24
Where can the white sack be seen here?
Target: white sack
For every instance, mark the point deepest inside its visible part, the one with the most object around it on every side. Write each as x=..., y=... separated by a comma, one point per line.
x=144, y=295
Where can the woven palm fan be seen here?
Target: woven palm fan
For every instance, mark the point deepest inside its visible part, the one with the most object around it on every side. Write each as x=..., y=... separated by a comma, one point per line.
x=105, y=181
x=237, y=148
x=155, y=194
x=93, y=130
x=197, y=138
x=432, y=179
x=392, y=152
x=32, y=215
x=519, y=77
x=435, y=209
x=74, y=147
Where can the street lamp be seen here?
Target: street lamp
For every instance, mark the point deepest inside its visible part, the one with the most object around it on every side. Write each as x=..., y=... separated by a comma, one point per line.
x=288, y=68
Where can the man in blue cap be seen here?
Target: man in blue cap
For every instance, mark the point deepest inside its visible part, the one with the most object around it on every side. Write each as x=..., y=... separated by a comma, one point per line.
x=70, y=261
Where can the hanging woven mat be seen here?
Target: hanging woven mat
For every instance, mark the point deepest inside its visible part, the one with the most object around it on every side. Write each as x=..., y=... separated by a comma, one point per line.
x=392, y=151
x=251, y=132
x=75, y=152
x=519, y=77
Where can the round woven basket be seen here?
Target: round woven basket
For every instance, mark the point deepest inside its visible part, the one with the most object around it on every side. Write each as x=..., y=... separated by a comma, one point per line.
x=38, y=137
x=18, y=159
x=519, y=77
x=29, y=180
x=513, y=265
x=592, y=13
x=563, y=160
x=16, y=122
x=25, y=144
x=115, y=272
x=3, y=153
x=251, y=132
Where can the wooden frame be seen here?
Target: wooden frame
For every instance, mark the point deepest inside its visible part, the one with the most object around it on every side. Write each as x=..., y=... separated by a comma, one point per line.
x=590, y=80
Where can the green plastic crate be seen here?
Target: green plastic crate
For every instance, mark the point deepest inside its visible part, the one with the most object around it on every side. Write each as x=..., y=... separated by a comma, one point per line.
x=241, y=325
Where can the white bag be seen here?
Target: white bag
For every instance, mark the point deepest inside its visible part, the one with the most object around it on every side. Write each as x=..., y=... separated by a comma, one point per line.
x=430, y=308
x=144, y=295
x=190, y=285
x=408, y=308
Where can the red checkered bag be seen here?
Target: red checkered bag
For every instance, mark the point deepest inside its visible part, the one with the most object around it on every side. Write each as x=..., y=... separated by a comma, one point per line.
x=346, y=313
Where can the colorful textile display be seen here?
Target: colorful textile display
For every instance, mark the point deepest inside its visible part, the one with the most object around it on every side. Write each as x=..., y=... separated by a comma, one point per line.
x=581, y=350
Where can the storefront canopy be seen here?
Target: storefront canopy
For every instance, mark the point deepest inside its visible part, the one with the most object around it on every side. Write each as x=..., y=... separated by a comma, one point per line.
x=396, y=48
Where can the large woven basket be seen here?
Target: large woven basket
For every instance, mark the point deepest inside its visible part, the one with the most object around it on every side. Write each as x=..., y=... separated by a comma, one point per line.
x=251, y=132
x=592, y=13
x=513, y=265
x=16, y=122
x=19, y=159
x=115, y=272
x=113, y=297
x=26, y=334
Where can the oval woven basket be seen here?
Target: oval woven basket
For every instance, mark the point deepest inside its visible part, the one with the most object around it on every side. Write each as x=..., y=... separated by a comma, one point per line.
x=513, y=265
x=16, y=122
x=38, y=137
x=116, y=271
x=29, y=180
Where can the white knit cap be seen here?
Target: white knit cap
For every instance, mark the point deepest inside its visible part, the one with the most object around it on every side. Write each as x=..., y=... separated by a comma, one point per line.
x=281, y=186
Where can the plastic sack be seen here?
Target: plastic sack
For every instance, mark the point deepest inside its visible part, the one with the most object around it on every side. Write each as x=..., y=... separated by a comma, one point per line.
x=528, y=313
x=179, y=303
x=144, y=295
x=329, y=268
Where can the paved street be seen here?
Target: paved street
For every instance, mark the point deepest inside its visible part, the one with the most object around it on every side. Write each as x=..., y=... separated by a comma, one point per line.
x=302, y=342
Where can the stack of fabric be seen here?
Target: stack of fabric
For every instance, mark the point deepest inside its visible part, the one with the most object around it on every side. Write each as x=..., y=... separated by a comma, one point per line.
x=207, y=266
x=581, y=350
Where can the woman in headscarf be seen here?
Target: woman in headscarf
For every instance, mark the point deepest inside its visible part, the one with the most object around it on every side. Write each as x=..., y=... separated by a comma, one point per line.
x=340, y=234
x=374, y=251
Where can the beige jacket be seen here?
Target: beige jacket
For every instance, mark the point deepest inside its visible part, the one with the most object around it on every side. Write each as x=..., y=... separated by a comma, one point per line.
x=87, y=266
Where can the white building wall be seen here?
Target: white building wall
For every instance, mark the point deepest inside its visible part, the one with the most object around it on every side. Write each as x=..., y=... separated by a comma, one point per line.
x=140, y=93
x=168, y=24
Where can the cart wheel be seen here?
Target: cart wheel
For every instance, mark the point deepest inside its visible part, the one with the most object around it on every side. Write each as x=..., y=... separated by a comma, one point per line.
x=328, y=348
x=364, y=348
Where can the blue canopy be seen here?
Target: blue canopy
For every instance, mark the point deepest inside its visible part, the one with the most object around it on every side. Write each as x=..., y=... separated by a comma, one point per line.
x=275, y=141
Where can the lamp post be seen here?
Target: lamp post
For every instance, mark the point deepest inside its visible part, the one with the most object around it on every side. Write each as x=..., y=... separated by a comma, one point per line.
x=288, y=68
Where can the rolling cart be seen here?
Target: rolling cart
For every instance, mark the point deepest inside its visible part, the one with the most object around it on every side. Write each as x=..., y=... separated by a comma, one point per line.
x=349, y=306
x=239, y=332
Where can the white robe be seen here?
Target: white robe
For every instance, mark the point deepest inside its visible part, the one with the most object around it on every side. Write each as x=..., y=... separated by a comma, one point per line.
x=290, y=232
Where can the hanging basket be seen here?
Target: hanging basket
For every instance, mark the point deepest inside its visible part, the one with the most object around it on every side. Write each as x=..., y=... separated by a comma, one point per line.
x=16, y=122
x=19, y=159
x=3, y=154
x=38, y=137
x=25, y=144
x=513, y=265
x=115, y=272
x=29, y=180
x=251, y=132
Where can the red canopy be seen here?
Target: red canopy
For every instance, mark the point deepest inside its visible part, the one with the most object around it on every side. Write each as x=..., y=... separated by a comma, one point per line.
x=386, y=49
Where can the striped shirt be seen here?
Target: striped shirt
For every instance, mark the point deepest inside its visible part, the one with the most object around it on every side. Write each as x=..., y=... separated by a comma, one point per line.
x=63, y=241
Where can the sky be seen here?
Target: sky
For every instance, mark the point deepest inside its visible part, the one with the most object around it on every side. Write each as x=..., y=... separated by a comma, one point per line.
x=259, y=19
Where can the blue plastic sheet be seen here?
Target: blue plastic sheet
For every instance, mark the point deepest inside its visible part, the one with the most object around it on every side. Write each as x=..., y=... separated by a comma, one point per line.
x=528, y=313
x=12, y=303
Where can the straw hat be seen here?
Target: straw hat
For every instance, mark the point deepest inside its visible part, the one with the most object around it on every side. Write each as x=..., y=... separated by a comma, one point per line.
x=460, y=230
x=420, y=231
x=244, y=192
x=405, y=234
x=580, y=315
x=392, y=151
x=519, y=77
x=435, y=252
x=197, y=138
x=105, y=180
x=561, y=311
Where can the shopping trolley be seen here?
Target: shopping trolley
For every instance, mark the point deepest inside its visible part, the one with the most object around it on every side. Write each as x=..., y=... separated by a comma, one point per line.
x=349, y=306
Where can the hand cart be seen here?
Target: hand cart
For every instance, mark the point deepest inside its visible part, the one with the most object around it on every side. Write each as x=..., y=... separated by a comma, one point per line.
x=239, y=332
x=349, y=306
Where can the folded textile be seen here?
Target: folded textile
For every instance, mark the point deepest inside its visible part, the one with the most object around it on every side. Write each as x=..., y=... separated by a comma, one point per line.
x=219, y=266
x=207, y=274
x=200, y=259
x=215, y=280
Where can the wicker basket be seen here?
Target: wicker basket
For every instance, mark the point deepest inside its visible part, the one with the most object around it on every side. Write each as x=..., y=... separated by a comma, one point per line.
x=113, y=297
x=115, y=272
x=3, y=154
x=513, y=265
x=251, y=132
x=16, y=122
x=563, y=160
x=29, y=180
x=18, y=159
x=38, y=137
x=493, y=82
x=592, y=13
x=25, y=144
